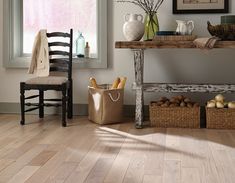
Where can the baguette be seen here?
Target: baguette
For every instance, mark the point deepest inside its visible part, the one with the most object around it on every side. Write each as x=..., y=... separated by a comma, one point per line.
x=116, y=83
x=94, y=83
x=122, y=84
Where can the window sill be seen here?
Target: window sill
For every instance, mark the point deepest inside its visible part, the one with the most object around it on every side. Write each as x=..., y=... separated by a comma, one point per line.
x=78, y=63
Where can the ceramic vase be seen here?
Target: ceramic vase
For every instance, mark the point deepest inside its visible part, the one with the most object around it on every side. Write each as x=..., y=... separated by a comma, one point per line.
x=133, y=29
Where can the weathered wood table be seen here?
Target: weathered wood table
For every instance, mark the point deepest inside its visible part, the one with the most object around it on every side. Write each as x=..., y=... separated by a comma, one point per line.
x=140, y=87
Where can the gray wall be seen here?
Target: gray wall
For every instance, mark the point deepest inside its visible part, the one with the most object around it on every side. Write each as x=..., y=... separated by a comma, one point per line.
x=169, y=65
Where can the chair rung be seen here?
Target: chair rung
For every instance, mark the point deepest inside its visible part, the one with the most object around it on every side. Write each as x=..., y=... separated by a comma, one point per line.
x=32, y=104
x=31, y=97
x=32, y=109
x=53, y=100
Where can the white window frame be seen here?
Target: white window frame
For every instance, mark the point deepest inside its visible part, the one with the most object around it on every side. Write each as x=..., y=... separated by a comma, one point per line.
x=13, y=37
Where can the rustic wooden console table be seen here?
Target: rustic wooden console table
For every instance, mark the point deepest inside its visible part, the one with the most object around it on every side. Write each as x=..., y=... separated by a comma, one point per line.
x=138, y=48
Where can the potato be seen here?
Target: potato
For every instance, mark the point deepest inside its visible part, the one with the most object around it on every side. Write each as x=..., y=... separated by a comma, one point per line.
x=173, y=100
x=181, y=97
x=165, y=105
x=156, y=104
x=160, y=103
x=189, y=105
x=187, y=100
x=173, y=105
x=177, y=101
x=167, y=102
x=163, y=99
x=182, y=104
x=177, y=104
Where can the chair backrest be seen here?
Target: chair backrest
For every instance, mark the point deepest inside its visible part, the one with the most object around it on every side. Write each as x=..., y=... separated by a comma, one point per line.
x=61, y=60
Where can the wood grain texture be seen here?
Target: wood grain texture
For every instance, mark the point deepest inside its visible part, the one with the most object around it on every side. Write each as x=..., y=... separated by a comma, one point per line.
x=86, y=152
x=167, y=44
x=24, y=174
x=42, y=158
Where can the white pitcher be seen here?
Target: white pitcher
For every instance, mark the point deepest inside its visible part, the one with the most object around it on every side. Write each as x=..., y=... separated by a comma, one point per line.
x=133, y=29
x=184, y=27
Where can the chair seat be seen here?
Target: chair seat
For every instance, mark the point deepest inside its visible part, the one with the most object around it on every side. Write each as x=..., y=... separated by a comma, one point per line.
x=50, y=80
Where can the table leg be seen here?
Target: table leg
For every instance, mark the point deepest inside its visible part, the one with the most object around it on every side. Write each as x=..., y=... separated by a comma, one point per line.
x=139, y=78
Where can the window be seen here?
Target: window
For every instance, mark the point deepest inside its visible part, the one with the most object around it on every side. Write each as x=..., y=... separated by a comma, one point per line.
x=24, y=18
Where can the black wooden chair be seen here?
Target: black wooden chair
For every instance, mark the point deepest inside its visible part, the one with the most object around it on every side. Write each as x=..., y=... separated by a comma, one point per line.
x=60, y=62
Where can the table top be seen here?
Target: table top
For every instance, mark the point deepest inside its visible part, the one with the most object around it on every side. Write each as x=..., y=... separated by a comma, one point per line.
x=167, y=44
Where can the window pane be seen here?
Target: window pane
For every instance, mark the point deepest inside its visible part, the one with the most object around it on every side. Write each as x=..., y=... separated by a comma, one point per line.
x=60, y=15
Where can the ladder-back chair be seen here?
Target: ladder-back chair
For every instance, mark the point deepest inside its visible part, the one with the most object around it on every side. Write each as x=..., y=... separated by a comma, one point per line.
x=60, y=62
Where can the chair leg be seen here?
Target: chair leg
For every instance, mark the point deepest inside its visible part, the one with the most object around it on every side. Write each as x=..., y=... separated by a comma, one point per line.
x=41, y=104
x=70, y=101
x=64, y=99
x=22, y=103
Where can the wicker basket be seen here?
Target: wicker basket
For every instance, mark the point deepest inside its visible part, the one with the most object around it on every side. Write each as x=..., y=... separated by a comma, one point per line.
x=174, y=117
x=220, y=118
x=224, y=32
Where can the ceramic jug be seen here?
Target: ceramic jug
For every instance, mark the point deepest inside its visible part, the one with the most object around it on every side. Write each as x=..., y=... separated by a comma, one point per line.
x=133, y=29
x=184, y=27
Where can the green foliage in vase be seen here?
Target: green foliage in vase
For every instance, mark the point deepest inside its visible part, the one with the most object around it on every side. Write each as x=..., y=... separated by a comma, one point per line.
x=151, y=26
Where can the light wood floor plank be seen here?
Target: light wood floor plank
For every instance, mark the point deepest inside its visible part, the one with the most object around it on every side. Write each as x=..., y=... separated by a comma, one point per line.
x=7, y=173
x=43, y=151
x=172, y=171
x=122, y=161
x=224, y=165
x=85, y=166
x=205, y=162
x=113, y=143
x=49, y=168
x=24, y=174
x=62, y=172
x=173, y=142
x=5, y=163
x=135, y=171
x=155, y=153
x=42, y=158
x=152, y=179
x=190, y=175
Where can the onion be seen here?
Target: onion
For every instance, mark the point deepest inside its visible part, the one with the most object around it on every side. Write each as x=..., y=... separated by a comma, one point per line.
x=231, y=105
x=219, y=105
x=219, y=98
x=211, y=105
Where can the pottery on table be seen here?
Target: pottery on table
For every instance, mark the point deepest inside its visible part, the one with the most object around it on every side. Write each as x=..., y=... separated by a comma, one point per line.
x=184, y=27
x=133, y=28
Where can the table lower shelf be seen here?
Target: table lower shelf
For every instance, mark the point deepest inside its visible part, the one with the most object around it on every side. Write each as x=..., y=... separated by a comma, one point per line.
x=184, y=88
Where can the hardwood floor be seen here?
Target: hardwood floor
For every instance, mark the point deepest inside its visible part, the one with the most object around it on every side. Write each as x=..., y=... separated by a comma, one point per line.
x=43, y=151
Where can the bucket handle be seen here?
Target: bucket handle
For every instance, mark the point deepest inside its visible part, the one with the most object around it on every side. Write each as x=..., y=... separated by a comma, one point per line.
x=115, y=100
